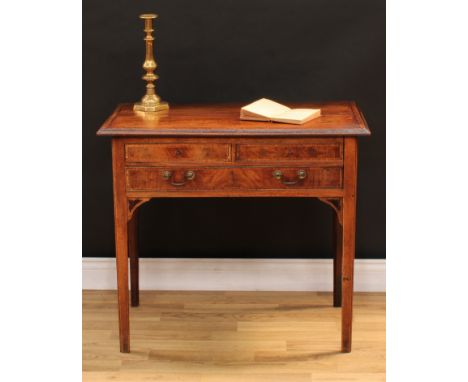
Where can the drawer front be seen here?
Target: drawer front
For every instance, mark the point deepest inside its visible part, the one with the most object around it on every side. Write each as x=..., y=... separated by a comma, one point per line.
x=274, y=178
x=290, y=152
x=167, y=179
x=177, y=152
x=234, y=178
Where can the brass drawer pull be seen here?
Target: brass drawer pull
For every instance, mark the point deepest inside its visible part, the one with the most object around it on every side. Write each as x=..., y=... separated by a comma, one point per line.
x=301, y=174
x=189, y=175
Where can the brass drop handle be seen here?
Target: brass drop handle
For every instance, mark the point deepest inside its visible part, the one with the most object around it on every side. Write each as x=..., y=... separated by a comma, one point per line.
x=189, y=175
x=301, y=174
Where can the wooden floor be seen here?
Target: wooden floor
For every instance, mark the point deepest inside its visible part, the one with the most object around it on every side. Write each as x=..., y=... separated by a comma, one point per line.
x=233, y=336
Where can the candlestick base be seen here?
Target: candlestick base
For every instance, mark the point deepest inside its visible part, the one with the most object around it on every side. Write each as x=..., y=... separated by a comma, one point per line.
x=161, y=106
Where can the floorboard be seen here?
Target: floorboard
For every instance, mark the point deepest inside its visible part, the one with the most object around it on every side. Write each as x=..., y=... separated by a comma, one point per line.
x=233, y=336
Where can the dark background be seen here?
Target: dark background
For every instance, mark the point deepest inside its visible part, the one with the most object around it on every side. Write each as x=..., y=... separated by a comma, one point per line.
x=235, y=50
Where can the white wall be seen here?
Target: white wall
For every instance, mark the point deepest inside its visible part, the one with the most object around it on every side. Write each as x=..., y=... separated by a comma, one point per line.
x=235, y=274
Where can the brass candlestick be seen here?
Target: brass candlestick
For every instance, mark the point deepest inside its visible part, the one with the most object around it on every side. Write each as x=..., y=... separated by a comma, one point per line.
x=150, y=101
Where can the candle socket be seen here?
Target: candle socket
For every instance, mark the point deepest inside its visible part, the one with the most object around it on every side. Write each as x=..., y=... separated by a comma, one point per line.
x=151, y=101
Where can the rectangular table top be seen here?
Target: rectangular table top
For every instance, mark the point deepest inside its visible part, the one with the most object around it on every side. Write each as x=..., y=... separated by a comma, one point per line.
x=222, y=120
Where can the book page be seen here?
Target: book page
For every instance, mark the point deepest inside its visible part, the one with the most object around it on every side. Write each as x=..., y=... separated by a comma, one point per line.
x=297, y=115
x=266, y=108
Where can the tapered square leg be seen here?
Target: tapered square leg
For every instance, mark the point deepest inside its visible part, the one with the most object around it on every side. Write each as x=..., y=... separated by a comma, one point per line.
x=348, y=242
x=337, y=260
x=121, y=243
x=134, y=261
x=347, y=274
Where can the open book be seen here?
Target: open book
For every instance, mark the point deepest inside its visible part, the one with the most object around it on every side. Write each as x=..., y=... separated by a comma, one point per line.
x=268, y=110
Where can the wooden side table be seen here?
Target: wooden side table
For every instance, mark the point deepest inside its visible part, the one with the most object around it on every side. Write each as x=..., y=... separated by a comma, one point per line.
x=206, y=151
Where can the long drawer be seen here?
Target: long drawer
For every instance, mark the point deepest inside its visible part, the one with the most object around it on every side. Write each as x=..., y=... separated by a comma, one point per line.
x=231, y=178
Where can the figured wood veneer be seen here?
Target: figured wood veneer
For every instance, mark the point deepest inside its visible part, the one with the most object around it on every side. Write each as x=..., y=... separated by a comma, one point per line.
x=174, y=153
x=289, y=152
x=248, y=178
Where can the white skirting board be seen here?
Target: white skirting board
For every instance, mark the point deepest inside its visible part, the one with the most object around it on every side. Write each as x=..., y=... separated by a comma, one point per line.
x=235, y=274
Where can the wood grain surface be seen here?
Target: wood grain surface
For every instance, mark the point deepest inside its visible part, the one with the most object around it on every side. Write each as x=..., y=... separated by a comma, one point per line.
x=338, y=118
x=233, y=336
x=121, y=240
x=177, y=152
x=221, y=178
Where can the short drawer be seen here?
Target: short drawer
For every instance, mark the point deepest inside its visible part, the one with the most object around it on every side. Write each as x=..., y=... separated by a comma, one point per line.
x=177, y=153
x=320, y=151
x=232, y=178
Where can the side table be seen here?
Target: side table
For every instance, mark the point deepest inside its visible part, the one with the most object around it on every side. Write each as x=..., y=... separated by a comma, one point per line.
x=207, y=151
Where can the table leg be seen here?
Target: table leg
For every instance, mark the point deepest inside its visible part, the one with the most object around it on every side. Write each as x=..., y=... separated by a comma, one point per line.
x=347, y=274
x=348, y=242
x=121, y=242
x=134, y=261
x=337, y=260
